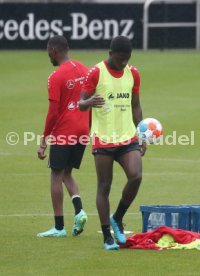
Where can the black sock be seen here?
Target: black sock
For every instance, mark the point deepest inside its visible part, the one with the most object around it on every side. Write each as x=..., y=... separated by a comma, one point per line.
x=120, y=212
x=59, y=222
x=106, y=231
x=77, y=204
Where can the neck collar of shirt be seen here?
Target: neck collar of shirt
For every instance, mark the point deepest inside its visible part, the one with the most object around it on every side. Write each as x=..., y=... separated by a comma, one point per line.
x=114, y=73
x=64, y=62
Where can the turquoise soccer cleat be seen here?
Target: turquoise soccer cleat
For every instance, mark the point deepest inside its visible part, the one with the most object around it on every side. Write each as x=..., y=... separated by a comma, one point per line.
x=53, y=232
x=79, y=223
x=118, y=230
x=110, y=244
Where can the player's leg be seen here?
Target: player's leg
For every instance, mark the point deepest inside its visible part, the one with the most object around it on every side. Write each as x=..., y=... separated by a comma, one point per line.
x=56, y=163
x=73, y=160
x=69, y=182
x=132, y=166
x=57, y=191
x=57, y=202
x=72, y=189
x=131, y=162
x=80, y=215
x=104, y=170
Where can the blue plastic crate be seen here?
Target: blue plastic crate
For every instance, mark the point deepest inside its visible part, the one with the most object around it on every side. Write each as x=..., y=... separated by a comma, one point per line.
x=195, y=218
x=154, y=216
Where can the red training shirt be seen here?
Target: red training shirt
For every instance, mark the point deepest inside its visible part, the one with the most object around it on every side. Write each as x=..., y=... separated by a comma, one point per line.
x=64, y=118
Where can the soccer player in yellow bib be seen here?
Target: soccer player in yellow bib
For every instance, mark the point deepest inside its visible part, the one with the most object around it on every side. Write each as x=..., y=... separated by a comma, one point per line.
x=111, y=90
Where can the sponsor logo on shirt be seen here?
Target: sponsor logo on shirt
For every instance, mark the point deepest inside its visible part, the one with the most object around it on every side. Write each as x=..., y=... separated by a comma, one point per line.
x=122, y=95
x=71, y=105
x=106, y=108
x=70, y=84
x=81, y=79
x=111, y=96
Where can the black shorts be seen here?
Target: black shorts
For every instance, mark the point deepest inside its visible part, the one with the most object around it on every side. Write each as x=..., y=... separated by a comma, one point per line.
x=63, y=156
x=117, y=151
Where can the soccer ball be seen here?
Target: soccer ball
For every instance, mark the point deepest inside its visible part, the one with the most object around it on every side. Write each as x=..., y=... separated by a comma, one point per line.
x=149, y=130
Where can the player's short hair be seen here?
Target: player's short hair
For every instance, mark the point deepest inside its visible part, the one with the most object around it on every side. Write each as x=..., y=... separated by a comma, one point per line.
x=121, y=44
x=59, y=43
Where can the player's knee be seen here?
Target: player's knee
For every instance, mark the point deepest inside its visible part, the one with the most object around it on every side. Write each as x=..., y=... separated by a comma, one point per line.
x=67, y=171
x=67, y=174
x=135, y=177
x=104, y=188
x=56, y=173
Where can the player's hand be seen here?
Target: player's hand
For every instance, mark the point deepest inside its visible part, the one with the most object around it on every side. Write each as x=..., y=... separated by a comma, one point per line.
x=96, y=101
x=41, y=152
x=143, y=148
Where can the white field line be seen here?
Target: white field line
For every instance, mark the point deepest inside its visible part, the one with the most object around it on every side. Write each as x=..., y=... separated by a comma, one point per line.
x=185, y=274
x=147, y=158
x=2, y=153
x=171, y=173
x=24, y=174
x=50, y=215
x=172, y=159
x=112, y=232
x=115, y=174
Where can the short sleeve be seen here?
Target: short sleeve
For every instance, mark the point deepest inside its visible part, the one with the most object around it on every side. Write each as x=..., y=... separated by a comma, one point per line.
x=136, y=77
x=54, y=87
x=91, y=80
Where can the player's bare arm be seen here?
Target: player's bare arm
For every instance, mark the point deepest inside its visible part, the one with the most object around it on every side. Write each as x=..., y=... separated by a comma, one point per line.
x=41, y=150
x=49, y=124
x=136, y=109
x=137, y=117
x=88, y=100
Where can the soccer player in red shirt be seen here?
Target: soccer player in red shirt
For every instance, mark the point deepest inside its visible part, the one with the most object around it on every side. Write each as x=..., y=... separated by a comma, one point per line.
x=66, y=124
x=111, y=89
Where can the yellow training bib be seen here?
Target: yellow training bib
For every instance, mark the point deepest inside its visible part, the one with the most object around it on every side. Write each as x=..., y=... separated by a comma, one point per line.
x=113, y=123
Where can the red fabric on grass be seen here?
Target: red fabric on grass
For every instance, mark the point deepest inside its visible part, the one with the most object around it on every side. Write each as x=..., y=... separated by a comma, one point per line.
x=148, y=240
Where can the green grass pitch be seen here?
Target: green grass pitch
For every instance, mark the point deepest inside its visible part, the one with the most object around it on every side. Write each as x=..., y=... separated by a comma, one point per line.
x=170, y=87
